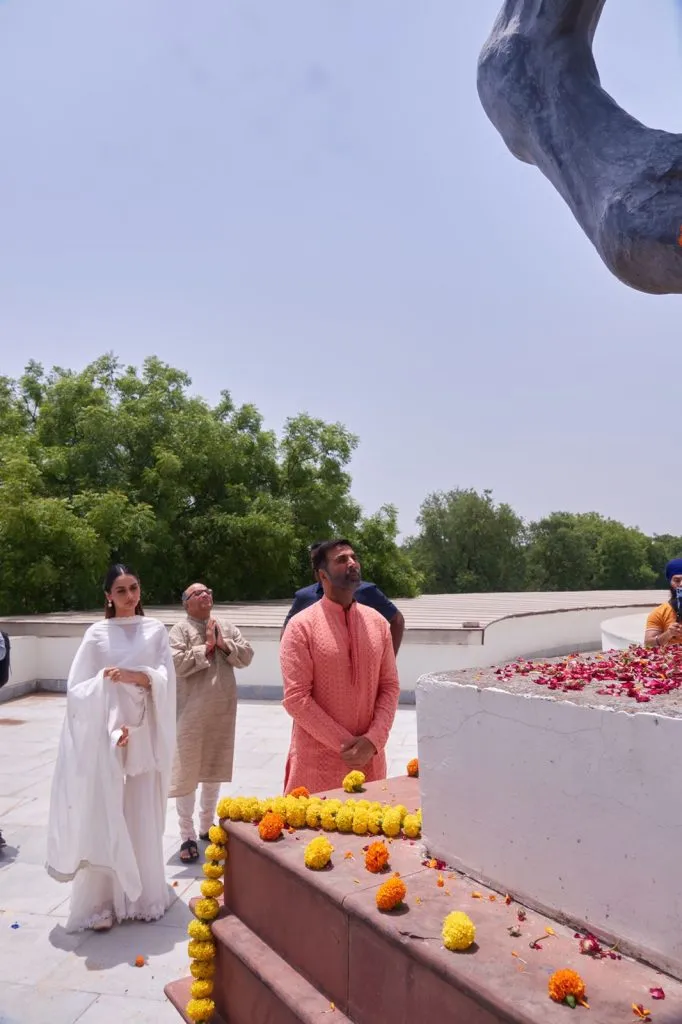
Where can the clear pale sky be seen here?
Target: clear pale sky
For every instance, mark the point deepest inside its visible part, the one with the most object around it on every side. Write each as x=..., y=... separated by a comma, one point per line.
x=303, y=202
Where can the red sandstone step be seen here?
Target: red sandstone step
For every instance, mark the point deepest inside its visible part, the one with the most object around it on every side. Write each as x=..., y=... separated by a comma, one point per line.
x=255, y=986
x=378, y=967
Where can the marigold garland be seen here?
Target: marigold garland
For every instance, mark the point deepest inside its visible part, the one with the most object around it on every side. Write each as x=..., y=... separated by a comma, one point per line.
x=459, y=931
x=318, y=853
x=299, y=791
x=376, y=857
x=354, y=782
x=567, y=986
x=391, y=894
x=360, y=817
x=413, y=768
x=201, y=947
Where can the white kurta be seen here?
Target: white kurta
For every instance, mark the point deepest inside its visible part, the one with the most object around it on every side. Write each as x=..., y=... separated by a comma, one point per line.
x=108, y=803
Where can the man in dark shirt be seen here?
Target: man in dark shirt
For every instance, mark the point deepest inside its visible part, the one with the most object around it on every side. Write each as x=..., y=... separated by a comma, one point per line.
x=366, y=593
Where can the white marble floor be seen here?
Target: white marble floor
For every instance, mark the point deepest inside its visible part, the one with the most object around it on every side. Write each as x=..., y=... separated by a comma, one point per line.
x=47, y=975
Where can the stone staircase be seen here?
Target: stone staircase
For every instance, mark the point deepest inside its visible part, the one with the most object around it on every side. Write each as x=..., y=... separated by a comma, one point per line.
x=295, y=945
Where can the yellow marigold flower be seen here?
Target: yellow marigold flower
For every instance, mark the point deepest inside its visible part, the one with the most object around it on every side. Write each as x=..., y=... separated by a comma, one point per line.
x=354, y=782
x=202, y=989
x=360, y=821
x=212, y=888
x=391, y=823
x=217, y=835
x=335, y=804
x=566, y=985
x=213, y=870
x=376, y=857
x=201, y=950
x=236, y=811
x=391, y=894
x=200, y=1009
x=250, y=808
x=223, y=809
x=202, y=969
x=375, y=806
x=402, y=811
x=313, y=815
x=318, y=853
x=200, y=930
x=328, y=819
x=215, y=852
x=412, y=826
x=344, y=819
x=296, y=812
x=206, y=910
x=279, y=806
x=413, y=768
x=374, y=822
x=365, y=804
x=459, y=931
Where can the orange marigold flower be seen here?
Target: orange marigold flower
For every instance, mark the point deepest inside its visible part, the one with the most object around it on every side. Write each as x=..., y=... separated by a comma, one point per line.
x=376, y=857
x=566, y=985
x=299, y=791
x=270, y=826
x=440, y=882
x=391, y=894
x=140, y=961
x=413, y=768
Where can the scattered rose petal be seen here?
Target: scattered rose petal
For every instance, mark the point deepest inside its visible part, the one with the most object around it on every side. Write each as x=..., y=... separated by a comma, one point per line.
x=440, y=882
x=640, y=1013
x=521, y=914
x=507, y=899
x=657, y=993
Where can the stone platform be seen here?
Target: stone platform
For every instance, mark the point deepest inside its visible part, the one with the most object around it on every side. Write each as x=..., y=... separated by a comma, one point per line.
x=295, y=945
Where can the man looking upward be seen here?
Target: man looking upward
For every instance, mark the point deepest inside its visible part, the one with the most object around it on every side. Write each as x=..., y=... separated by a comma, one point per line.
x=340, y=679
x=365, y=593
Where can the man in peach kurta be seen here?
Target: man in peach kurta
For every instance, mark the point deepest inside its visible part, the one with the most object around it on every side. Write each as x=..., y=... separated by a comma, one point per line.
x=340, y=680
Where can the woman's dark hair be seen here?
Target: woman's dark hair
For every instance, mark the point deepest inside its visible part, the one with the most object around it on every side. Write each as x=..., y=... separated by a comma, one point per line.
x=114, y=572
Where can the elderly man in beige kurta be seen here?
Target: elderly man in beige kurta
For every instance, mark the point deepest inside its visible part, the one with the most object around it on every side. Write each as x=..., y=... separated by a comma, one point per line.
x=205, y=653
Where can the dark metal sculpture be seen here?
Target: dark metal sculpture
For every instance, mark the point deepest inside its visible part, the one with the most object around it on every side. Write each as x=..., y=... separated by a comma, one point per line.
x=540, y=87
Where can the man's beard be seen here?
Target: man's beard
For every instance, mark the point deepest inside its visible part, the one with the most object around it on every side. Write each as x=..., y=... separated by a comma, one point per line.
x=342, y=581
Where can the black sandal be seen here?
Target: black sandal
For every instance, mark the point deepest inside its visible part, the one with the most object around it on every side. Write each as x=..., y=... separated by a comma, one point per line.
x=192, y=850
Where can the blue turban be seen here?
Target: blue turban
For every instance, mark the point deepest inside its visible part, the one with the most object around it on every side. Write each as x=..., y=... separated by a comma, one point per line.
x=673, y=568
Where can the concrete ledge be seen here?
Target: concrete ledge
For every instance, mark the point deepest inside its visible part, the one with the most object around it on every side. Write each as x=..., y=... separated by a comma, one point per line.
x=568, y=804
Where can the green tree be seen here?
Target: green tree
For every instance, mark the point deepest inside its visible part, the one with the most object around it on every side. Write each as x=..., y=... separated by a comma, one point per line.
x=468, y=543
x=585, y=551
x=120, y=463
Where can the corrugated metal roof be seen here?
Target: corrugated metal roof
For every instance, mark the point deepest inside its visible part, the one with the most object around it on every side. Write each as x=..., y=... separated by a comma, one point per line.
x=431, y=611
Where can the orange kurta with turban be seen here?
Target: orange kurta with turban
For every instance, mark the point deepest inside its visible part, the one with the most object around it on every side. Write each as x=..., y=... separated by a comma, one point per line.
x=340, y=683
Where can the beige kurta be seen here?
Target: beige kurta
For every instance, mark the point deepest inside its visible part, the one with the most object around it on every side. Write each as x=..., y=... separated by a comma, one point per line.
x=207, y=704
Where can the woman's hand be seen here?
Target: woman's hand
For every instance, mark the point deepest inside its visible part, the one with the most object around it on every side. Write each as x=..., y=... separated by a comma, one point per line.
x=126, y=675
x=123, y=740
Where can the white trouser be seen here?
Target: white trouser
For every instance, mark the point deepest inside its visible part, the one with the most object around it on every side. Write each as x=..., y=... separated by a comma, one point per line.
x=208, y=800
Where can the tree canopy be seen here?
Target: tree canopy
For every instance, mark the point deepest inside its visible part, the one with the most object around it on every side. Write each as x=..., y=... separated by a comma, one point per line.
x=117, y=463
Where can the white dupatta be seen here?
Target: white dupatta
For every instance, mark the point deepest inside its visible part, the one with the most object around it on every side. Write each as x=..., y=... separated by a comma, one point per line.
x=86, y=823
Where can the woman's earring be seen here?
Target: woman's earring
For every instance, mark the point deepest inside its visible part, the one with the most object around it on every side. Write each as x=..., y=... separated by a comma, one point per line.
x=110, y=604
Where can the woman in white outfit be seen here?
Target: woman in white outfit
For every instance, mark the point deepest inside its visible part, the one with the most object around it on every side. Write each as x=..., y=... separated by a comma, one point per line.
x=108, y=803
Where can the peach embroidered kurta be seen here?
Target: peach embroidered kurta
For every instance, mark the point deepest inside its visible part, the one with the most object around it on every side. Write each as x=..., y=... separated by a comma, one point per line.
x=340, y=682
